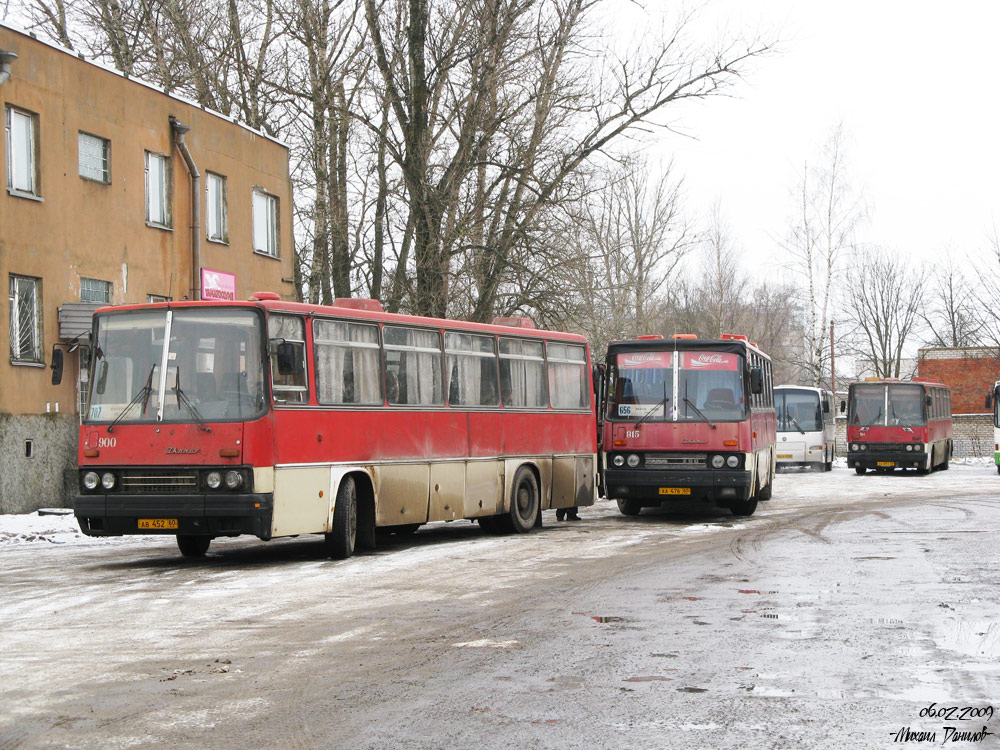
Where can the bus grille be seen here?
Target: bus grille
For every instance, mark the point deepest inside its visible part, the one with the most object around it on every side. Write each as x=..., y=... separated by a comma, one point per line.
x=159, y=481
x=895, y=447
x=676, y=460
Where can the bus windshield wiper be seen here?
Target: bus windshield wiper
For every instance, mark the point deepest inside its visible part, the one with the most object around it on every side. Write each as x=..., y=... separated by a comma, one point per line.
x=662, y=402
x=143, y=395
x=795, y=422
x=183, y=399
x=699, y=412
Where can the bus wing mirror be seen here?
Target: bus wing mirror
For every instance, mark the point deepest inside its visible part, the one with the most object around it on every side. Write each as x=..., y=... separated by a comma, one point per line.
x=288, y=357
x=57, y=365
x=102, y=377
x=756, y=380
x=826, y=407
x=599, y=371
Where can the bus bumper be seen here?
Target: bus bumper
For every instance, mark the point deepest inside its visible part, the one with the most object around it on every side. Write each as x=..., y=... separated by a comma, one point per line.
x=646, y=485
x=197, y=514
x=887, y=460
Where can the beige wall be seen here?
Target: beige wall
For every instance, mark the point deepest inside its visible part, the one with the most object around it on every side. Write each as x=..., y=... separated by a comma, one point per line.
x=82, y=228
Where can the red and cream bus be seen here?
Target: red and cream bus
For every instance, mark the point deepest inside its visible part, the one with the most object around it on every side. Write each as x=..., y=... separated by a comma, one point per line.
x=898, y=424
x=687, y=418
x=275, y=418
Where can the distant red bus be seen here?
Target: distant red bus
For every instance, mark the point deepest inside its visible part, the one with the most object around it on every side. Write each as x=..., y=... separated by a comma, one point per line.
x=687, y=418
x=898, y=424
x=275, y=418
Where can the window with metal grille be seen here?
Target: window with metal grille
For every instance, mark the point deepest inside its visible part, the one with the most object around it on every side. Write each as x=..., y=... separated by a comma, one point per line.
x=25, y=326
x=95, y=290
x=94, y=156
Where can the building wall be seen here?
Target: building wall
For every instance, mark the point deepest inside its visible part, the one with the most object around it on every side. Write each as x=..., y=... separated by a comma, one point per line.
x=970, y=372
x=83, y=228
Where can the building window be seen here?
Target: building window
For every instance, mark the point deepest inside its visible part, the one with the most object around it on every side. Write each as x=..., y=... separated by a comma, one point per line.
x=25, y=326
x=94, y=154
x=215, y=186
x=95, y=290
x=265, y=223
x=156, y=298
x=157, y=190
x=22, y=166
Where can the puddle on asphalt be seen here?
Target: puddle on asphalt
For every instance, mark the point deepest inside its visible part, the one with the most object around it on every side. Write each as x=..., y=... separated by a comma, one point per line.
x=692, y=690
x=977, y=638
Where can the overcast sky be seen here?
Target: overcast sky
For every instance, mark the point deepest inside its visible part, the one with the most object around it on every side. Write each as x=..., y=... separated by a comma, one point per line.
x=914, y=84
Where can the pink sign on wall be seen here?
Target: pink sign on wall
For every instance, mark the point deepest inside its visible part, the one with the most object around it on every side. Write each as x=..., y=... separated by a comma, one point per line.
x=218, y=285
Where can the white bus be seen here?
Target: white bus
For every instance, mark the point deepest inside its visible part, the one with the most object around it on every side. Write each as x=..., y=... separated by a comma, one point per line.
x=807, y=434
x=993, y=402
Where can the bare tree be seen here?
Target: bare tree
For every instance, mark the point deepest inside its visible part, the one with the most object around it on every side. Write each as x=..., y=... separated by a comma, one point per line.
x=827, y=214
x=951, y=314
x=884, y=304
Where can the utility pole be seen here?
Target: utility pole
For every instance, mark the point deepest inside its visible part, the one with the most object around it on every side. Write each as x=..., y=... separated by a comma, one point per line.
x=833, y=369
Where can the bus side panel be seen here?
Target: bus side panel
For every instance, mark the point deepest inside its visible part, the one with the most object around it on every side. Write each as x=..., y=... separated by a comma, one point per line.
x=447, y=491
x=586, y=484
x=564, y=489
x=483, y=484
x=401, y=495
x=302, y=500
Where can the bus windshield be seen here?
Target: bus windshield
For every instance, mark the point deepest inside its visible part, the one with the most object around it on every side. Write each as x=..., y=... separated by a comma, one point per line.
x=798, y=411
x=885, y=405
x=214, y=370
x=683, y=386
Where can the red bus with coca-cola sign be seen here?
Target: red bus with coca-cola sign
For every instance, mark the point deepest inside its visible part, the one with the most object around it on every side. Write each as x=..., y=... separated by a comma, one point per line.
x=275, y=418
x=898, y=424
x=687, y=418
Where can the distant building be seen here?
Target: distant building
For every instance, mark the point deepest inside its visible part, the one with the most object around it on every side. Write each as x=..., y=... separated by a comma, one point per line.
x=970, y=371
x=98, y=210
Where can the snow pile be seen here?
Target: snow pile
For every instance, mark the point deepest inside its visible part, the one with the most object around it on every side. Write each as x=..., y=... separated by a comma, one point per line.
x=44, y=528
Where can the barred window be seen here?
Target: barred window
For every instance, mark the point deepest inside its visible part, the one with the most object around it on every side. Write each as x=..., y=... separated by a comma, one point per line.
x=94, y=156
x=25, y=326
x=568, y=385
x=522, y=374
x=472, y=370
x=347, y=362
x=412, y=366
x=95, y=290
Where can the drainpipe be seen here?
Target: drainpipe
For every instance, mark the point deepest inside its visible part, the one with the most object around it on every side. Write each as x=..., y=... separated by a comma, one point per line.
x=179, y=131
x=6, y=58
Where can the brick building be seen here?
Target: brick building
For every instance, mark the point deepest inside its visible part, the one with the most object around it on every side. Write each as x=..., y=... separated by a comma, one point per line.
x=116, y=193
x=971, y=373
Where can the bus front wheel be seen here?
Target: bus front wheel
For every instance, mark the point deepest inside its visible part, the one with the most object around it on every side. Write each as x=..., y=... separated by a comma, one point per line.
x=524, y=501
x=193, y=546
x=340, y=541
x=744, y=507
x=860, y=470
x=628, y=506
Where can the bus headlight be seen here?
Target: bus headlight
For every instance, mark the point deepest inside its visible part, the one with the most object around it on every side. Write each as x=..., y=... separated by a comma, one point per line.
x=909, y=447
x=863, y=447
x=90, y=480
x=107, y=480
x=718, y=461
x=233, y=480
x=733, y=461
x=618, y=460
x=854, y=446
x=633, y=460
x=213, y=480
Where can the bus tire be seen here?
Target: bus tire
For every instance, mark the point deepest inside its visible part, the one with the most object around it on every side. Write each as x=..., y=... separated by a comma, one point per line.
x=340, y=541
x=860, y=470
x=191, y=545
x=743, y=507
x=828, y=466
x=763, y=493
x=628, y=507
x=946, y=464
x=524, y=501
x=928, y=466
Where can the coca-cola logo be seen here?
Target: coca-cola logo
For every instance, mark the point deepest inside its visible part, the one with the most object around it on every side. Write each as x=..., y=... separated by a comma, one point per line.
x=706, y=360
x=634, y=360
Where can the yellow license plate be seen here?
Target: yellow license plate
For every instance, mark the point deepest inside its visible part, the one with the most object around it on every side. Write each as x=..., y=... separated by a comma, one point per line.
x=675, y=490
x=886, y=463
x=157, y=523
x=784, y=455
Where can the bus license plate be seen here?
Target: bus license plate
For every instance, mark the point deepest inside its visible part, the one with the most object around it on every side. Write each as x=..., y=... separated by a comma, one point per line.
x=886, y=463
x=157, y=523
x=675, y=490
x=784, y=455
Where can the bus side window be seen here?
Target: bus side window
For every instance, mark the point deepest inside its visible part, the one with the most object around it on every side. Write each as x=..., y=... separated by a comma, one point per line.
x=287, y=349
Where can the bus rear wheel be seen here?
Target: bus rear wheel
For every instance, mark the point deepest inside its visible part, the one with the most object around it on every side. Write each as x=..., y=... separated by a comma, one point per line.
x=524, y=501
x=860, y=470
x=193, y=546
x=340, y=540
x=628, y=506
